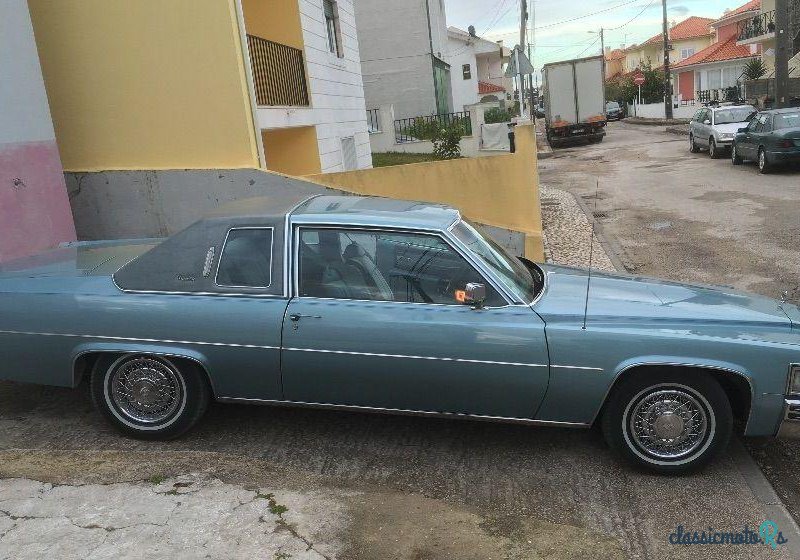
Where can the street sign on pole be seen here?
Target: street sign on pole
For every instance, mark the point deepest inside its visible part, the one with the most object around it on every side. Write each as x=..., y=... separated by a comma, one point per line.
x=639, y=80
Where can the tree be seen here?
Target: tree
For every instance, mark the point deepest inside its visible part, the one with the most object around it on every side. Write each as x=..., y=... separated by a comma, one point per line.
x=754, y=69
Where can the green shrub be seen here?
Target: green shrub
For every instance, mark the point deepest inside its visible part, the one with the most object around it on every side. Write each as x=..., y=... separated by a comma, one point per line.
x=497, y=115
x=446, y=141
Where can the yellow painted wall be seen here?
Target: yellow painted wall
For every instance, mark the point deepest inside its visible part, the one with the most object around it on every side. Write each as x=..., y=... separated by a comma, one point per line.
x=276, y=20
x=146, y=84
x=501, y=191
x=292, y=151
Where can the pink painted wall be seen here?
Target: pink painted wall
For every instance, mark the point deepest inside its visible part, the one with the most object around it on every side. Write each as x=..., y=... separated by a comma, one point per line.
x=725, y=32
x=34, y=207
x=35, y=214
x=686, y=84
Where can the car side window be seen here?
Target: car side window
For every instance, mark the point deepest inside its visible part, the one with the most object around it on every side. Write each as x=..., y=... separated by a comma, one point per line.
x=384, y=266
x=753, y=126
x=246, y=260
x=767, y=124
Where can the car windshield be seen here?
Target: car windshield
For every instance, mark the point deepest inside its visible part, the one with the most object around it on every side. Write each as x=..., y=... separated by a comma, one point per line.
x=612, y=105
x=787, y=120
x=734, y=115
x=514, y=275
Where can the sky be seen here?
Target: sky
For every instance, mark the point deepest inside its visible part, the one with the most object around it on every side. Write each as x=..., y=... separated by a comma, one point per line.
x=557, y=39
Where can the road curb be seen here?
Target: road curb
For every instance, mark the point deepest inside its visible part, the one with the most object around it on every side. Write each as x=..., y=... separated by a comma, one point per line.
x=765, y=496
x=611, y=247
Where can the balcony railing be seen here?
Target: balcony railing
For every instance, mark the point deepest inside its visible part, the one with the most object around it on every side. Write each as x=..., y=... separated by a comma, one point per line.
x=373, y=120
x=279, y=75
x=424, y=128
x=720, y=95
x=758, y=26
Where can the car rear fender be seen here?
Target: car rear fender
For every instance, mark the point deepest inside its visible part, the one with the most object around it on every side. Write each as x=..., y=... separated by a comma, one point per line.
x=82, y=354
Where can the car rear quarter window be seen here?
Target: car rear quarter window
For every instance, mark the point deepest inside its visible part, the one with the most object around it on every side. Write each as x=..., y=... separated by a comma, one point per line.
x=246, y=260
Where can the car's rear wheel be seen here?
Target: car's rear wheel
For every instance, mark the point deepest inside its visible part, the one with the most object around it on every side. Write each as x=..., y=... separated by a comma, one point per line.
x=149, y=396
x=764, y=165
x=713, y=151
x=692, y=146
x=672, y=421
x=736, y=159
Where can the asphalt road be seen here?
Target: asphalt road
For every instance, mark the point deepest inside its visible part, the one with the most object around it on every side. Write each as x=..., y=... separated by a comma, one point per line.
x=682, y=216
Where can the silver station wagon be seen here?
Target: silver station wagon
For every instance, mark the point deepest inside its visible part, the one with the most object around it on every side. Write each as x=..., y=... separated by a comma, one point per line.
x=385, y=305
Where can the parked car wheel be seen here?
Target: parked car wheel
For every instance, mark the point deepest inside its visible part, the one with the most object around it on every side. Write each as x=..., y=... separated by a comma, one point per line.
x=693, y=148
x=735, y=157
x=764, y=165
x=668, y=422
x=713, y=151
x=148, y=396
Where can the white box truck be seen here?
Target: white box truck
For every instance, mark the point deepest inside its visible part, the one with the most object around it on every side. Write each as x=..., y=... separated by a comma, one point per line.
x=574, y=100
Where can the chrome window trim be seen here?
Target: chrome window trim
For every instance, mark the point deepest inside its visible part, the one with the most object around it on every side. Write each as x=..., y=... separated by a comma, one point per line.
x=370, y=227
x=411, y=357
x=678, y=364
x=287, y=244
x=271, y=257
x=405, y=412
x=579, y=367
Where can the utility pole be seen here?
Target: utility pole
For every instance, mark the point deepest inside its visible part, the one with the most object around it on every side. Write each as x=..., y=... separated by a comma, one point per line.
x=523, y=22
x=603, y=53
x=781, y=53
x=667, y=85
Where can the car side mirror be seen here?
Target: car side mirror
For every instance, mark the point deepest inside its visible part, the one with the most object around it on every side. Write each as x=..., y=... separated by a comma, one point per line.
x=474, y=295
x=742, y=129
x=706, y=121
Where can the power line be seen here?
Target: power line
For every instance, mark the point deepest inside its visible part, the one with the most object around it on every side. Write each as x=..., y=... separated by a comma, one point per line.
x=593, y=43
x=637, y=16
x=584, y=16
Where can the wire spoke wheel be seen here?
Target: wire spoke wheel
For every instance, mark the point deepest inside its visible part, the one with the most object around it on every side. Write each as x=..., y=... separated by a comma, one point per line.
x=669, y=424
x=146, y=390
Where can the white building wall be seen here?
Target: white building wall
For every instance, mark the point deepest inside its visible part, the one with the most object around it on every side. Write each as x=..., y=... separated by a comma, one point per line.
x=395, y=46
x=336, y=89
x=465, y=92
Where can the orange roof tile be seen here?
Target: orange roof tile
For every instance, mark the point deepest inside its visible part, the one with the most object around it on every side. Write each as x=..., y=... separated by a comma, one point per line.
x=486, y=87
x=752, y=5
x=718, y=52
x=687, y=29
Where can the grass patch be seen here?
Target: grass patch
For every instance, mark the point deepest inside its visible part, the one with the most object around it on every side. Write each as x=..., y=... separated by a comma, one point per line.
x=157, y=479
x=386, y=159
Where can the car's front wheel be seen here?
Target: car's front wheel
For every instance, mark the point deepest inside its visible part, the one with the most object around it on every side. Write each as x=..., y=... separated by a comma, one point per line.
x=669, y=421
x=693, y=148
x=713, y=151
x=764, y=165
x=736, y=159
x=148, y=396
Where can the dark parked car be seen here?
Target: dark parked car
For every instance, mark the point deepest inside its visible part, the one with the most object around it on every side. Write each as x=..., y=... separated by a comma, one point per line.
x=614, y=111
x=771, y=138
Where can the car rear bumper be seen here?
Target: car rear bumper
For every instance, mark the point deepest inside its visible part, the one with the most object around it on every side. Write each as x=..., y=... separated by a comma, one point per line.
x=784, y=156
x=790, y=423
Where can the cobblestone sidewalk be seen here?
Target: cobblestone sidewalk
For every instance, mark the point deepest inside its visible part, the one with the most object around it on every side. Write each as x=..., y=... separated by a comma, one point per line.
x=567, y=231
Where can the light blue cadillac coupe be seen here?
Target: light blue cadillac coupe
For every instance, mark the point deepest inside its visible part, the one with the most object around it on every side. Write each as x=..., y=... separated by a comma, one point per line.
x=393, y=306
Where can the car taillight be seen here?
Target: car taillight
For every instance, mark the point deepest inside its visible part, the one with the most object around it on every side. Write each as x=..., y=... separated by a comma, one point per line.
x=786, y=144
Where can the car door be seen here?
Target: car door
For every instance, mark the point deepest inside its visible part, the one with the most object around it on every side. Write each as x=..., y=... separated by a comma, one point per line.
x=744, y=142
x=704, y=130
x=376, y=322
x=694, y=125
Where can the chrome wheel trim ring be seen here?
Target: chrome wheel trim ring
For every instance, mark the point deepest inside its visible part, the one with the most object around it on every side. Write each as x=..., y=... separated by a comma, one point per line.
x=712, y=148
x=671, y=443
x=762, y=159
x=145, y=392
x=733, y=152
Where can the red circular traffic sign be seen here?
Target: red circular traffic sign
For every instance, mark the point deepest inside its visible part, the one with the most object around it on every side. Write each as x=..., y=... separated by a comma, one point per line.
x=639, y=80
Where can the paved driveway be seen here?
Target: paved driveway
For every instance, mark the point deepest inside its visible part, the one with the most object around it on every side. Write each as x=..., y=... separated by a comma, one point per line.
x=357, y=487
x=683, y=216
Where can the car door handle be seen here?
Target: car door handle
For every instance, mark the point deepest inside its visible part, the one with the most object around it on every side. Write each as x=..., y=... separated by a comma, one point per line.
x=297, y=316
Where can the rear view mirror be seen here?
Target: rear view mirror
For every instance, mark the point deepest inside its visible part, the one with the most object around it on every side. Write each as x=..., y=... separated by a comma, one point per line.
x=473, y=294
x=706, y=121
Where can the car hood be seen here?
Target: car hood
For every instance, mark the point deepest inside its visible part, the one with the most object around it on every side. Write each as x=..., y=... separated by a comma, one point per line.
x=729, y=128
x=619, y=297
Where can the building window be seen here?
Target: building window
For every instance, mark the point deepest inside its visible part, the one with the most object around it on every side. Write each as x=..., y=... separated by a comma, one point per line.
x=466, y=71
x=349, y=156
x=686, y=53
x=332, y=27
